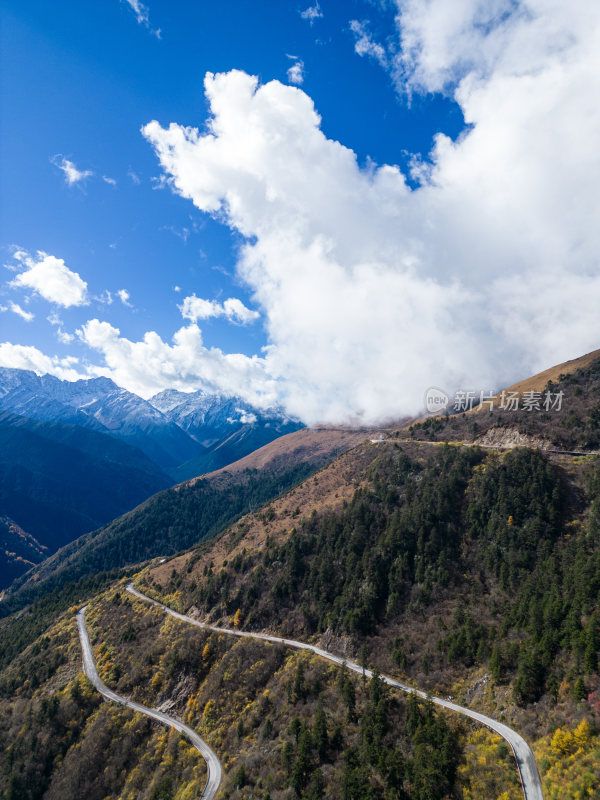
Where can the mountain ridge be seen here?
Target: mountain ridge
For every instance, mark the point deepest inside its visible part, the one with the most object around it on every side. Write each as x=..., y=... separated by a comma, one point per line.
x=185, y=434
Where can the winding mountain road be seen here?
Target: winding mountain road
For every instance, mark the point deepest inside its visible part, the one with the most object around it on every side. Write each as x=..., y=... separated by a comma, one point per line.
x=212, y=762
x=526, y=764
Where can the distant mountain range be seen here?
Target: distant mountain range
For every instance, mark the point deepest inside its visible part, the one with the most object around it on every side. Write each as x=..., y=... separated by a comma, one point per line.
x=183, y=434
x=75, y=455
x=224, y=429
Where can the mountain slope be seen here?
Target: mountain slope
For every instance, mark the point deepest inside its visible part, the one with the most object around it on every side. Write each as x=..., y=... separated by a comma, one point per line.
x=60, y=481
x=539, y=381
x=570, y=422
x=183, y=434
x=470, y=572
x=18, y=551
x=462, y=570
x=184, y=515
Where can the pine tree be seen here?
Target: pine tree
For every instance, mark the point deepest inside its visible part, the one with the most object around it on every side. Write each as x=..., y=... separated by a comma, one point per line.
x=321, y=740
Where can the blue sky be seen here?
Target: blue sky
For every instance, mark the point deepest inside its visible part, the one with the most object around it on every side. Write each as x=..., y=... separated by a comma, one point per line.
x=80, y=81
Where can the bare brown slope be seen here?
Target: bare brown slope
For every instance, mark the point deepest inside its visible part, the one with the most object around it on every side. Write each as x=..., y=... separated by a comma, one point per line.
x=325, y=491
x=538, y=382
x=311, y=445
x=534, y=383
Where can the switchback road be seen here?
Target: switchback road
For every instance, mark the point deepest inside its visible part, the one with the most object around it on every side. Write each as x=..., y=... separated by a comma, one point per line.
x=212, y=762
x=526, y=764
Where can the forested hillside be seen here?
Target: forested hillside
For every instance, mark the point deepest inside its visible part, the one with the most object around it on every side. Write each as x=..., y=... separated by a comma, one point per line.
x=58, y=740
x=19, y=551
x=184, y=515
x=284, y=723
x=454, y=559
x=466, y=571
x=571, y=420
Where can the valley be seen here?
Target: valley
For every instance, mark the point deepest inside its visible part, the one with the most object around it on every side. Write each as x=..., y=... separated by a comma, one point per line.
x=76, y=455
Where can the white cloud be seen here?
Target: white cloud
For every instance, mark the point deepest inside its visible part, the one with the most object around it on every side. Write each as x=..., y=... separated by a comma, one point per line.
x=124, y=297
x=442, y=42
x=150, y=365
x=142, y=15
x=246, y=417
x=71, y=173
x=64, y=337
x=19, y=356
x=373, y=291
x=134, y=177
x=16, y=309
x=61, y=335
x=365, y=45
x=49, y=277
x=295, y=73
x=195, y=308
x=110, y=181
x=312, y=13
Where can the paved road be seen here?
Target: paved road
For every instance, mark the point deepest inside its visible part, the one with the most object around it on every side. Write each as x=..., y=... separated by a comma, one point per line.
x=530, y=779
x=212, y=762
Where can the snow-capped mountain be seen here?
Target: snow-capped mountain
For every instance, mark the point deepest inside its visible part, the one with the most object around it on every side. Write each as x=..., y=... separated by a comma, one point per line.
x=206, y=417
x=100, y=404
x=227, y=427
x=184, y=433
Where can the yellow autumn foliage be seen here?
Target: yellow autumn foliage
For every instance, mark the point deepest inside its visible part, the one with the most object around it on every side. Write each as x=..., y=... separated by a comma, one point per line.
x=488, y=770
x=569, y=761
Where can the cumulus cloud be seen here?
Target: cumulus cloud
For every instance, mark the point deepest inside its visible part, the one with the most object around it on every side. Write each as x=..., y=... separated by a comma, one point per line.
x=195, y=308
x=150, y=365
x=312, y=13
x=441, y=43
x=295, y=73
x=70, y=171
x=372, y=290
x=19, y=356
x=50, y=278
x=142, y=15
